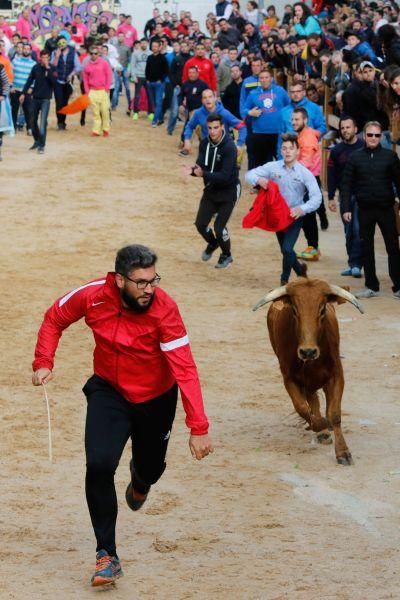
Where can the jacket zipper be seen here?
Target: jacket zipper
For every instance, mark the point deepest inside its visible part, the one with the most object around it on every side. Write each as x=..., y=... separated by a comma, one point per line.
x=113, y=344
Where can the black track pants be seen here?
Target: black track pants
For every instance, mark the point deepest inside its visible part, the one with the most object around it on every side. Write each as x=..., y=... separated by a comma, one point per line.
x=220, y=203
x=111, y=421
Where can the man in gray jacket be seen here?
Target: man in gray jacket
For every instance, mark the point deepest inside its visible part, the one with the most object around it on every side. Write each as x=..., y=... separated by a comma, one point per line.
x=124, y=55
x=138, y=77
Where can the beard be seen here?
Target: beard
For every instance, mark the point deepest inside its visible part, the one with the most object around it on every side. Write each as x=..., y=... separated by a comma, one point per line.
x=133, y=304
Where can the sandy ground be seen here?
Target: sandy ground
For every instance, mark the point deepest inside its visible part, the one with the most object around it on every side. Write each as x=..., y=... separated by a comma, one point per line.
x=270, y=515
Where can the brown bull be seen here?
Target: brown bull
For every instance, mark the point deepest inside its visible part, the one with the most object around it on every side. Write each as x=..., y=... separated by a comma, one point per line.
x=304, y=334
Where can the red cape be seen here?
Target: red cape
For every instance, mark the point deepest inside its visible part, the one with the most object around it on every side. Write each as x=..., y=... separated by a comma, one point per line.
x=269, y=211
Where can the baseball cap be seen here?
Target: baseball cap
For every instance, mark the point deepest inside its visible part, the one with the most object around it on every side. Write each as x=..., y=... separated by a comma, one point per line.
x=366, y=63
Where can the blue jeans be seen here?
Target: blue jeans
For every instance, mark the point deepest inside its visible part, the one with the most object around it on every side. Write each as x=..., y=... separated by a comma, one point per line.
x=287, y=240
x=173, y=114
x=42, y=107
x=119, y=80
x=352, y=233
x=156, y=90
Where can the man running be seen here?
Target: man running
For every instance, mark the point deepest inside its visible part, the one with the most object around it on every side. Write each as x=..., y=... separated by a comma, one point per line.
x=217, y=165
x=142, y=355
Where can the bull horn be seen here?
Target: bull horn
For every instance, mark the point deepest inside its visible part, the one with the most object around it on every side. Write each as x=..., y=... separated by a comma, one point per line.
x=338, y=291
x=271, y=296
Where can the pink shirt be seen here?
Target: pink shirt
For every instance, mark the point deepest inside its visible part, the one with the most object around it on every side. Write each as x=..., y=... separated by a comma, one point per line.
x=8, y=32
x=81, y=32
x=97, y=75
x=23, y=28
x=129, y=32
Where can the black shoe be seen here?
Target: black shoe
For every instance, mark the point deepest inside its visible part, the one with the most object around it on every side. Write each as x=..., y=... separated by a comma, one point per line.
x=208, y=252
x=61, y=126
x=224, y=261
x=324, y=222
x=35, y=146
x=131, y=502
x=40, y=150
x=302, y=270
x=83, y=123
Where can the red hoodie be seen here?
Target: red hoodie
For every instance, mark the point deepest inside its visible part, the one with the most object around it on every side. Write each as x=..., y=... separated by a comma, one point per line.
x=206, y=71
x=141, y=355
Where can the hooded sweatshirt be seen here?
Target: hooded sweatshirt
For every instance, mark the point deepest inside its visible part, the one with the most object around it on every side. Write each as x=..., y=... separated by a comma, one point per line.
x=310, y=151
x=200, y=118
x=218, y=161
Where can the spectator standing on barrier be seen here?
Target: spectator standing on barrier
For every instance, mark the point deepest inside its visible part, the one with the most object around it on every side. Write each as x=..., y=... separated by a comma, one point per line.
x=310, y=156
x=40, y=85
x=217, y=165
x=373, y=175
x=338, y=158
x=138, y=76
x=294, y=181
x=142, y=356
x=264, y=106
x=156, y=73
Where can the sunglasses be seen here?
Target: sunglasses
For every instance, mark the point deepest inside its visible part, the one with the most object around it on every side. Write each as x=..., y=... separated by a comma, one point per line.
x=374, y=135
x=94, y=54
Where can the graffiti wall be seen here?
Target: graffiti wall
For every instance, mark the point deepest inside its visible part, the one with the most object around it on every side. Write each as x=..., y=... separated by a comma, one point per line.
x=45, y=16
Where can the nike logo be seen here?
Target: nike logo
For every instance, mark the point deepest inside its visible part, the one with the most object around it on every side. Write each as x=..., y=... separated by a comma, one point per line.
x=97, y=303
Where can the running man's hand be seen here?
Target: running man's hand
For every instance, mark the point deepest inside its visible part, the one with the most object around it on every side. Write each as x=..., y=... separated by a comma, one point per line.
x=198, y=171
x=332, y=205
x=187, y=145
x=42, y=376
x=296, y=212
x=262, y=182
x=187, y=170
x=347, y=217
x=200, y=446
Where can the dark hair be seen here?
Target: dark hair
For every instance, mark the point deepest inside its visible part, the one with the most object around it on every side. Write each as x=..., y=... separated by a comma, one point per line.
x=215, y=117
x=388, y=99
x=346, y=118
x=44, y=52
x=133, y=257
x=307, y=12
x=290, y=137
x=301, y=111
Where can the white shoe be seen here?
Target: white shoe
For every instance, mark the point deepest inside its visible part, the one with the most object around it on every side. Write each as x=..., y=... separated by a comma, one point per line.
x=366, y=293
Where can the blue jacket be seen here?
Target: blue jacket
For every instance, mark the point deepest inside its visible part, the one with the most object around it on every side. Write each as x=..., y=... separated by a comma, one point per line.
x=249, y=84
x=271, y=102
x=310, y=26
x=316, y=118
x=364, y=50
x=230, y=122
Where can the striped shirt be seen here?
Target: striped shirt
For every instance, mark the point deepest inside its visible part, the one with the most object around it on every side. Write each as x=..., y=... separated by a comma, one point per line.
x=22, y=66
x=4, y=83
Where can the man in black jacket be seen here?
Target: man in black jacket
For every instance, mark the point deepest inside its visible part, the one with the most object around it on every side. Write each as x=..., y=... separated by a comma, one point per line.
x=40, y=83
x=360, y=99
x=175, y=76
x=216, y=164
x=156, y=73
x=371, y=174
x=231, y=97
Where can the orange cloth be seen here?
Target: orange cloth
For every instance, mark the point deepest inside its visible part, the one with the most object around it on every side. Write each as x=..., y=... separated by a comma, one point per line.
x=8, y=67
x=310, y=151
x=78, y=105
x=269, y=211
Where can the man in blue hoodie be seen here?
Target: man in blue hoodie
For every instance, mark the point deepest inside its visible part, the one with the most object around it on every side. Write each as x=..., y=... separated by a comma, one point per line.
x=316, y=120
x=249, y=84
x=212, y=106
x=264, y=105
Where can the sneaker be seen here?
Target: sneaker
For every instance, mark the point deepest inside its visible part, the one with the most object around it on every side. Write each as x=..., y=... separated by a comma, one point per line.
x=183, y=152
x=154, y=124
x=135, y=116
x=356, y=272
x=347, y=272
x=95, y=134
x=310, y=253
x=396, y=295
x=106, y=134
x=366, y=293
x=61, y=126
x=302, y=270
x=35, y=146
x=40, y=150
x=131, y=501
x=224, y=261
x=208, y=252
x=324, y=222
x=108, y=569
x=128, y=113
x=29, y=132
x=150, y=116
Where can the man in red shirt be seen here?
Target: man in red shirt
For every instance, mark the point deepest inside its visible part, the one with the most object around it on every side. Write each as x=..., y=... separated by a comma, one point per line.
x=204, y=66
x=129, y=31
x=142, y=355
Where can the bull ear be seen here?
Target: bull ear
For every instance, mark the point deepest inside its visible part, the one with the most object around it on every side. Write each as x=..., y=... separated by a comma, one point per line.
x=332, y=298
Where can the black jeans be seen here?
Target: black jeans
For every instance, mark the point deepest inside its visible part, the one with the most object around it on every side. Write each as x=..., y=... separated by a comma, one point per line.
x=40, y=107
x=264, y=147
x=141, y=82
x=62, y=94
x=385, y=219
x=221, y=203
x=111, y=421
x=26, y=107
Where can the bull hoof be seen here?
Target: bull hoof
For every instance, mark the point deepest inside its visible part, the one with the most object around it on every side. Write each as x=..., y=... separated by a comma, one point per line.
x=345, y=459
x=324, y=438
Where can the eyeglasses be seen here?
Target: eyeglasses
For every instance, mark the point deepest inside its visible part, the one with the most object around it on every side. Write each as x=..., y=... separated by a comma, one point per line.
x=143, y=283
x=94, y=54
x=375, y=135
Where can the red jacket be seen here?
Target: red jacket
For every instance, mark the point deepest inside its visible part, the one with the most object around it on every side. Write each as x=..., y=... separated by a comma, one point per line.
x=206, y=71
x=269, y=211
x=141, y=355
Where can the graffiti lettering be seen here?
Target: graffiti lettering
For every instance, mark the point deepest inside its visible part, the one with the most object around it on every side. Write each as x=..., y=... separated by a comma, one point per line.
x=44, y=17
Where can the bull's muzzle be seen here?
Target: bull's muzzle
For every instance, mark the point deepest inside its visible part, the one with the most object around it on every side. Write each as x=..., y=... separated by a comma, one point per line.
x=307, y=354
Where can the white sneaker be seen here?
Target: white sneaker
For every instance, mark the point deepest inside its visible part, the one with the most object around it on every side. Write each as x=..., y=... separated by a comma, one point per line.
x=366, y=293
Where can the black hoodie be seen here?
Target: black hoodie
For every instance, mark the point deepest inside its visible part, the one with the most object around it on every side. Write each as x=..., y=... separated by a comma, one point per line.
x=218, y=162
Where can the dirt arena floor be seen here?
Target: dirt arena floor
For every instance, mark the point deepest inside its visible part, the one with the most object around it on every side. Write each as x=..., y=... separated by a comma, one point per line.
x=270, y=515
